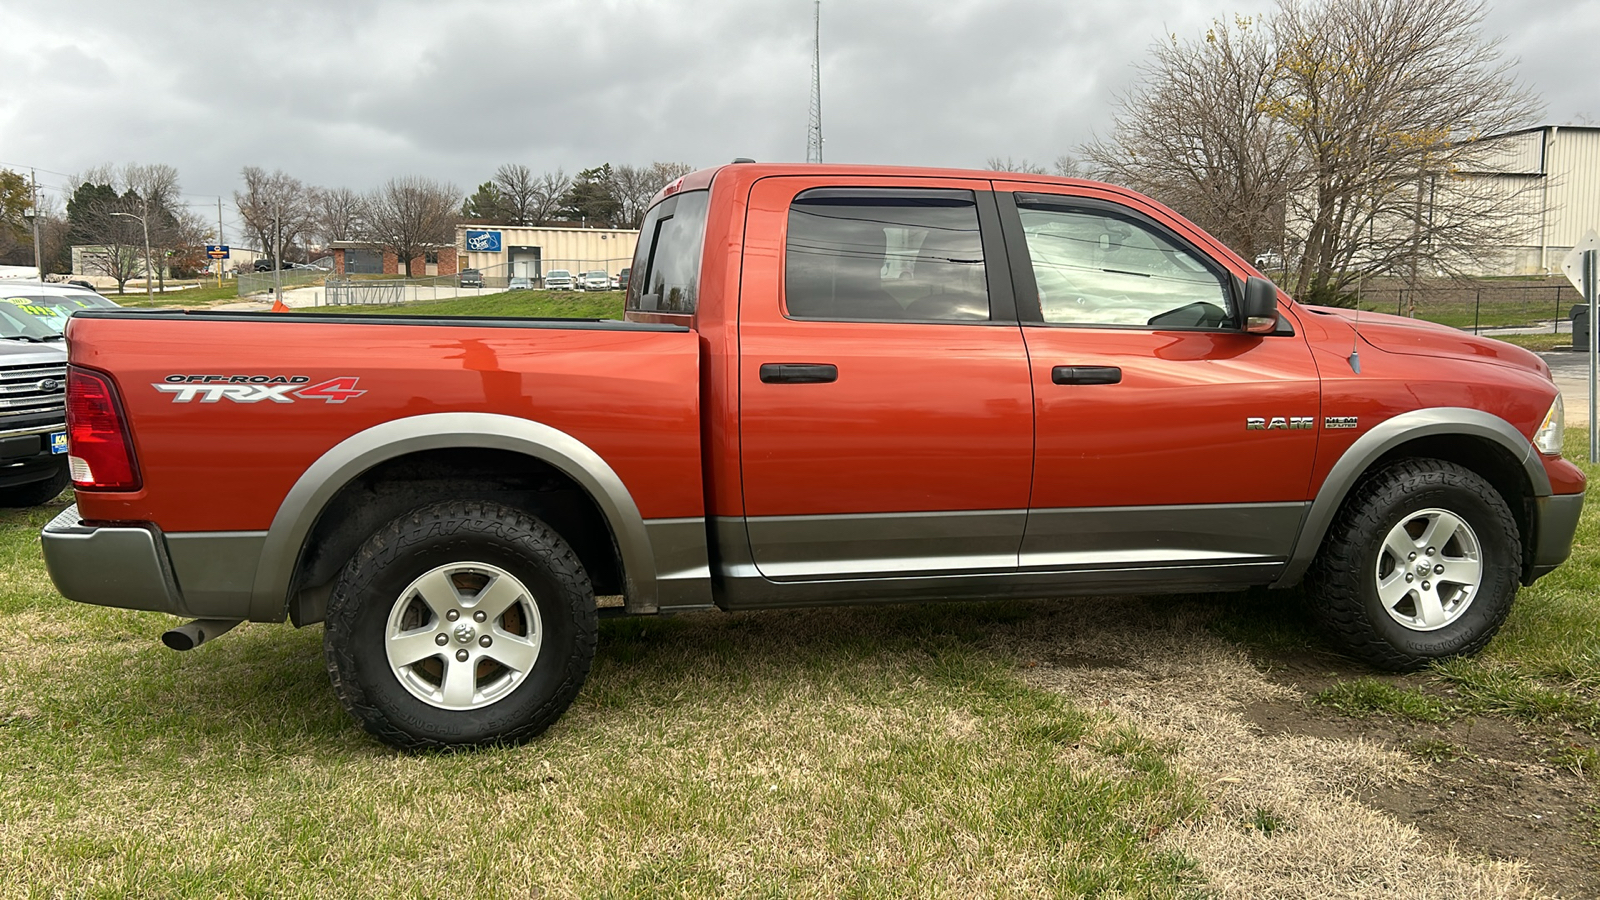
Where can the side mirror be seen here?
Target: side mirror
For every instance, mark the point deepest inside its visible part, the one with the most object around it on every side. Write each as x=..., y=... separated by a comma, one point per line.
x=1259, y=309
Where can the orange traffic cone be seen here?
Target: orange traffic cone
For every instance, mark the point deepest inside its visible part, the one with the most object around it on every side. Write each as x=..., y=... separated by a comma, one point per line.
x=277, y=303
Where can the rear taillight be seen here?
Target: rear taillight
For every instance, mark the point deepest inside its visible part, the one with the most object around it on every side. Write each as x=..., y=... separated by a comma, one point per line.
x=100, y=450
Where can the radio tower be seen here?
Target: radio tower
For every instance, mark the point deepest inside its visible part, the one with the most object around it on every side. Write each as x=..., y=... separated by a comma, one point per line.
x=814, y=133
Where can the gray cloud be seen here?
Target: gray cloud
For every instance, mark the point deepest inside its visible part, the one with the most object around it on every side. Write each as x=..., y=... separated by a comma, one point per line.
x=353, y=93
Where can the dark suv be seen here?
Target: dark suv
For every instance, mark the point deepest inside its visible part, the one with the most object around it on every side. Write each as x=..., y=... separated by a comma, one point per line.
x=471, y=278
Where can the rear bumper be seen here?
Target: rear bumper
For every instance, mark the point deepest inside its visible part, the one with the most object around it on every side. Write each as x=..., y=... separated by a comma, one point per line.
x=1555, y=521
x=125, y=566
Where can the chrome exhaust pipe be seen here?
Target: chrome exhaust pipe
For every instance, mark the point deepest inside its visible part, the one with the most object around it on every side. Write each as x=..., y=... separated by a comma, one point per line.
x=193, y=634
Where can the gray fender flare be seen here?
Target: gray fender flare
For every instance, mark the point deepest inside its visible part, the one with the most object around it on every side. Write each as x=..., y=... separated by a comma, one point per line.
x=356, y=454
x=1391, y=433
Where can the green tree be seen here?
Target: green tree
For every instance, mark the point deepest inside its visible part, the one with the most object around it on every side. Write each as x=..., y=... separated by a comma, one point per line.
x=16, y=238
x=592, y=199
x=487, y=204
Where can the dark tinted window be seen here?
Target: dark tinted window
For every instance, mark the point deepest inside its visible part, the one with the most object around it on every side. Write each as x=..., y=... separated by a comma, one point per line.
x=911, y=255
x=671, y=241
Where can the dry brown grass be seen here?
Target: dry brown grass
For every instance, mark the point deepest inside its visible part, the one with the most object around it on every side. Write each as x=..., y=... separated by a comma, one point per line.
x=1153, y=664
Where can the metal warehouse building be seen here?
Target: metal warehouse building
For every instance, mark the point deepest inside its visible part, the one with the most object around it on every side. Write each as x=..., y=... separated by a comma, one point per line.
x=1554, y=173
x=527, y=252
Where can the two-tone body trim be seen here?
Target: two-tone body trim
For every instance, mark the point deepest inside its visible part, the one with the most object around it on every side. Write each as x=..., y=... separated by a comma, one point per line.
x=356, y=454
x=1387, y=435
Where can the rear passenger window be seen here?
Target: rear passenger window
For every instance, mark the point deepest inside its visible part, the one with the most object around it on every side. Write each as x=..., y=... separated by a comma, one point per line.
x=885, y=255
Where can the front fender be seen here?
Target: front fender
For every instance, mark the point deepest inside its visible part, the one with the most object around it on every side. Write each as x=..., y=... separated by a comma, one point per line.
x=1384, y=437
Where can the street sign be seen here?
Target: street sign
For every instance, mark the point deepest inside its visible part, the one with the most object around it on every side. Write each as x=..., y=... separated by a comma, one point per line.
x=217, y=251
x=1572, y=263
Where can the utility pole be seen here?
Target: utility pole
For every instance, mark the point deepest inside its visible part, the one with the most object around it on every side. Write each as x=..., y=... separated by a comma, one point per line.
x=814, y=135
x=277, y=257
x=220, y=241
x=33, y=219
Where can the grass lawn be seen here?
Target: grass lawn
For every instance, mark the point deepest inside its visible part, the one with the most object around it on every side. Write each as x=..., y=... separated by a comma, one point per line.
x=204, y=292
x=873, y=752
x=529, y=304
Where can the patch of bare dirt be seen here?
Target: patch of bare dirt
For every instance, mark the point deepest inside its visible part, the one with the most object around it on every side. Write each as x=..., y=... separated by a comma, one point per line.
x=1304, y=802
x=1483, y=784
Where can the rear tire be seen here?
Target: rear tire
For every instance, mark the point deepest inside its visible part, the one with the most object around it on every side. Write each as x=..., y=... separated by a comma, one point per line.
x=1421, y=563
x=37, y=492
x=461, y=624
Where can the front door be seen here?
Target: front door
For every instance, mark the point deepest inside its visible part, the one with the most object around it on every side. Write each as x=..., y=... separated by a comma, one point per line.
x=886, y=419
x=1167, y=437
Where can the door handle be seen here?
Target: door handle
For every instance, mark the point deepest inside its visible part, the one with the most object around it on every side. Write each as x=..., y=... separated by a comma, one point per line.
x=1086, y=375
x=799, y=373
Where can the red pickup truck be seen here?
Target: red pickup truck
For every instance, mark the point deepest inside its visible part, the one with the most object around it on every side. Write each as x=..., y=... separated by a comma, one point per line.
x=834, y=384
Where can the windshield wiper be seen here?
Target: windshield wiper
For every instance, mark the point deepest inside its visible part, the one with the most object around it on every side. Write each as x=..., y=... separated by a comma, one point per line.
x=23, y=337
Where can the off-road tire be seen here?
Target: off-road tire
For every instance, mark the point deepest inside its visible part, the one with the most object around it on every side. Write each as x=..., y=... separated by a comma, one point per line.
x=1342, y=581
x=38, y=492
x=440, y=534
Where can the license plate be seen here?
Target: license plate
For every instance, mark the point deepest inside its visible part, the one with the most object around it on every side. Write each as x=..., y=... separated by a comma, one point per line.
x=58, y=442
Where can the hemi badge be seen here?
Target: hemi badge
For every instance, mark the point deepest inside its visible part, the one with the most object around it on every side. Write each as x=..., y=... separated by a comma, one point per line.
x=1336, y=422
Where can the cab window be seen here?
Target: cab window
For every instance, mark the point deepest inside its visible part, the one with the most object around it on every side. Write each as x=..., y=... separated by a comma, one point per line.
x=885, y=255
x=1097, y=268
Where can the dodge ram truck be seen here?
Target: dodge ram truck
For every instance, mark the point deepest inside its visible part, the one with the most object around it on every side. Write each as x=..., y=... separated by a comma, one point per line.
x=833, y=384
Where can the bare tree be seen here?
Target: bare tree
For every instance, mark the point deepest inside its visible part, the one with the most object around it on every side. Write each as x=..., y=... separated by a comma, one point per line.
x=1387, y=100
x=1007, y=164
x=410, y=216
x=335, y=214
x=633, y=187
x=1337, y=130
x=111, y=243
x=273, y=195
x=1196, y=135
x=548, y=196
x=519, y=192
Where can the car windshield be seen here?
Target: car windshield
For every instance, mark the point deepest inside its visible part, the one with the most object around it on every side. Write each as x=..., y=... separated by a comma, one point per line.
x=51, y=312
x=18, y=325
x=560, y=273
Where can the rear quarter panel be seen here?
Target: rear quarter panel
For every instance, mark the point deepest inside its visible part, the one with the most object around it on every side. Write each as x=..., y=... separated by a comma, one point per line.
x=631, y=396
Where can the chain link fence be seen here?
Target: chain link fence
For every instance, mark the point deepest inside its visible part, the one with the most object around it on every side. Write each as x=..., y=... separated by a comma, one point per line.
x=262, y=282
x=1479, y=306
x=371, y=291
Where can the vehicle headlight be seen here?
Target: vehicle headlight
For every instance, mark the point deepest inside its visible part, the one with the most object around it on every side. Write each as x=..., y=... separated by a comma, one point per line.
x=1548, y=438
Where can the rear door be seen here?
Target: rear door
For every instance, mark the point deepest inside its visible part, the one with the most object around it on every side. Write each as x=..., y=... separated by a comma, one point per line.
x=886, y=418
x=1167, y=437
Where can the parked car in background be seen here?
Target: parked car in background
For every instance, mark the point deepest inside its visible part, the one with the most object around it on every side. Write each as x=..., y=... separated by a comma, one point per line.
x=519, y=283
x=558, y=280
x=51, y=304
x=594, y=281
x=33, y=418
x=622, y=278
x=1269, y=261
x=470, y=278
x=616, y=282
x=264, y=264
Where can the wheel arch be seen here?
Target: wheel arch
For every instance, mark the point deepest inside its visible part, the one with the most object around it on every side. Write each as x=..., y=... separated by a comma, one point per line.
x=1477, y=440
x=292, y=526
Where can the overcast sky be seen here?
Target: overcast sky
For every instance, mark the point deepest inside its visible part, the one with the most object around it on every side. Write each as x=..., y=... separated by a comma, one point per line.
x=352, y=93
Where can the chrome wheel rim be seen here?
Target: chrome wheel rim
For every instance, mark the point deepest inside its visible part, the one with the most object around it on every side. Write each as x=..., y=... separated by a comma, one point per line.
x=1429, y=569
x=463, y=635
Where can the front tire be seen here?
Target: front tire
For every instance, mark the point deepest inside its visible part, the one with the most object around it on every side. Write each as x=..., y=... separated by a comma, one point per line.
x=461, y=624
x=1421, y=563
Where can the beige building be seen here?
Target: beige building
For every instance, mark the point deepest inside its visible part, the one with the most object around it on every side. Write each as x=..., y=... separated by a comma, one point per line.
x=1553, y=174
x=515, y=251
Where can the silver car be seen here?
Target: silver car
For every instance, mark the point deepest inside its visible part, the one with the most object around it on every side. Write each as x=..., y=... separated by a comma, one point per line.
x=594, y=281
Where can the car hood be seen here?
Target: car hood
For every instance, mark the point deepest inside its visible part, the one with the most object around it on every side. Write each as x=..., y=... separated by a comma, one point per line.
x=1415, y=337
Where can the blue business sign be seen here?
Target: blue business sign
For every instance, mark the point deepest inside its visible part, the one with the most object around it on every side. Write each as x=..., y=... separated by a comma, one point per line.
x=483, y=241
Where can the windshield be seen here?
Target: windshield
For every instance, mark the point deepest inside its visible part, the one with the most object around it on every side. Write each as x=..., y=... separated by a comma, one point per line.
x=17, y=325
x=51, y=311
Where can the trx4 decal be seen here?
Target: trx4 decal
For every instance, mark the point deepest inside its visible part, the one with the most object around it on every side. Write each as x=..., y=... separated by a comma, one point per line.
x=255, y=388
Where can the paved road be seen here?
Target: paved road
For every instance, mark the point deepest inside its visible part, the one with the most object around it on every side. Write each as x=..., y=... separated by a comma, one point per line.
x=1571, y=373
